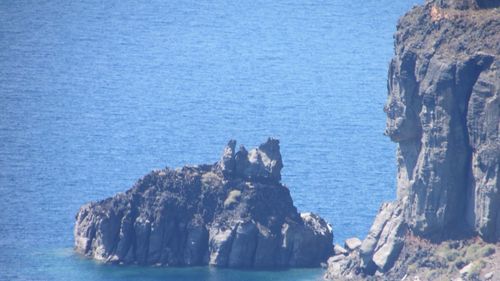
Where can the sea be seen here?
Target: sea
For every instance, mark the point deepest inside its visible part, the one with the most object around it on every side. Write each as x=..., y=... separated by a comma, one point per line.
x=95, y=94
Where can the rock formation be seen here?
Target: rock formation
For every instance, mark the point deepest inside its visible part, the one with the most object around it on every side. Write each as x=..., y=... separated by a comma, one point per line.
x=443, y=110
x=234, y=213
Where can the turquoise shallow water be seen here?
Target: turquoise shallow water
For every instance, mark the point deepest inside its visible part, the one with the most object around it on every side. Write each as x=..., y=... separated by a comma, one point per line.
x=61, y=264
x=93, y=95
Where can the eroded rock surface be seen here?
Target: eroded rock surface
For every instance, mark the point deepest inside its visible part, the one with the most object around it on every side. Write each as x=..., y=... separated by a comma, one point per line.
x=443, y=110
x=234, y=213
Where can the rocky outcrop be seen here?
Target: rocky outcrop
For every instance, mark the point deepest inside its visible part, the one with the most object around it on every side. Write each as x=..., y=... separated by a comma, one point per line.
x=234, y=213
x=443, y=110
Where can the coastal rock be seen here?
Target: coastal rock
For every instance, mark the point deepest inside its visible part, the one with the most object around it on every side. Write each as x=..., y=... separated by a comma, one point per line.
x=443, y=111
x=483, y=204
x=343, y=268
x=339, y=250
x=234, y=213
x=352, y=244
x=384, y=241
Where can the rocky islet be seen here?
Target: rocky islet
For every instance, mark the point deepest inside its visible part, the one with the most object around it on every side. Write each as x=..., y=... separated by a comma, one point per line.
x=234, y=213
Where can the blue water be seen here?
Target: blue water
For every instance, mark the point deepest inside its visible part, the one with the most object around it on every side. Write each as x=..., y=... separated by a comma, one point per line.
x=94, y=95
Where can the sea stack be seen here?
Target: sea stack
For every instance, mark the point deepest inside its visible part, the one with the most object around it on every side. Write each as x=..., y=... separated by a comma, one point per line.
x=234, y=213
x=443, y=111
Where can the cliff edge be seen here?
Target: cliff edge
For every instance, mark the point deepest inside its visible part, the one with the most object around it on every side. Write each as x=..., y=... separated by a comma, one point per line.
x=443, y=111
x=234, y=213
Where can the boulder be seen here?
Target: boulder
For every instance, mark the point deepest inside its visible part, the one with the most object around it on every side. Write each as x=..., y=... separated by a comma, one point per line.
x=352, y=244
x=339, y=250
x=384, y=241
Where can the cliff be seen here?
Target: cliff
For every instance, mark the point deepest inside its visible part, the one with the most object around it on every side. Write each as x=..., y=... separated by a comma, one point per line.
x=234, y=213
x=443, y=111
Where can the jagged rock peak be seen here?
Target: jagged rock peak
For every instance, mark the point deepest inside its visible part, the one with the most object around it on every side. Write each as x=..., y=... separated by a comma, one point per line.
x=261, y=164
x=466, y=4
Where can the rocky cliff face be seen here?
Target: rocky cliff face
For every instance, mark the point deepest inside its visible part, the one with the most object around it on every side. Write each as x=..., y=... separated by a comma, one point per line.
x=443, y=110
x=235, y=213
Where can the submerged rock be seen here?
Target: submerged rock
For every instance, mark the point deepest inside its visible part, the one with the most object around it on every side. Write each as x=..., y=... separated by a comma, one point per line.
x=234, y=213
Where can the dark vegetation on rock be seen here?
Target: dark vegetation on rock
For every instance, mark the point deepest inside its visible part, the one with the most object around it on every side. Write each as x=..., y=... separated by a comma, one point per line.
x=443, y=110
x=234, y=213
